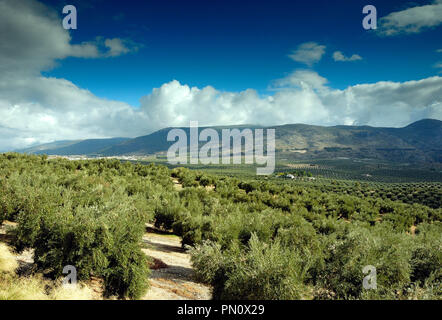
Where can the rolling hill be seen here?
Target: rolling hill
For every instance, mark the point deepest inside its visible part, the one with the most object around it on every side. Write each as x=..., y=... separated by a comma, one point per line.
x=74, y=147
x=420, y=141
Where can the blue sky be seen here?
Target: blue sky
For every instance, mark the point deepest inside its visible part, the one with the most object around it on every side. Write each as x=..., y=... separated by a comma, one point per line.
x=133, y=67
x=235, y=45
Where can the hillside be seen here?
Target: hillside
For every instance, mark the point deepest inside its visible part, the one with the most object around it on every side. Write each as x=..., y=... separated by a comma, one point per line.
x=420, y=141
x=86, y=147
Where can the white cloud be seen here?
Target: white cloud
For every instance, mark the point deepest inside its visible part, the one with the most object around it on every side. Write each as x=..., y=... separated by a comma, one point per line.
x=118, y=47
x=307, y=100
x=47, y=109
x=339, y=56
x=308, y=53
x=32, y=39
x=301, y=79
x=439, y=50
x=411, y=20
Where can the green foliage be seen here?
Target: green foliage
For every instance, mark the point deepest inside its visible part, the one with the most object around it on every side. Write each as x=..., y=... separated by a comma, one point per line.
x=245, y=230
x=426, y=261
x=261, y=271
x=89, y=214
x=249, y=238
x=348, y=253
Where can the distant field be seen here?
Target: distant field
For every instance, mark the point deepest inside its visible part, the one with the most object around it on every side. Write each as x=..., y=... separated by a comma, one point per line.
x=368, y=170
x=331, y=169
x=366, y=179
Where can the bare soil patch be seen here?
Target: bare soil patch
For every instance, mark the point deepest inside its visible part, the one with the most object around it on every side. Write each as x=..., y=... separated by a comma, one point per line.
x=175, y=281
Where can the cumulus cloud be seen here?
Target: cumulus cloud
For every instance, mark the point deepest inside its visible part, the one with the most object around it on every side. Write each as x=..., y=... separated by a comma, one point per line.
x=308, y=53
x=33, y=39
x=305, y=99
x=48, y=109
x=339, y=56
x=300, y=79
x=116, y=47
x=36, y=109
x=411, y=20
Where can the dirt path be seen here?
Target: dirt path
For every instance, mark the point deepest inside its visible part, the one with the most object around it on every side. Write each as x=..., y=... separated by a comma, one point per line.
x=177, y=185
x=172, y=274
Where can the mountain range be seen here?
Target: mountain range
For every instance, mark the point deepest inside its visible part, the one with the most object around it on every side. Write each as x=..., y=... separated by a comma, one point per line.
x=420, y=141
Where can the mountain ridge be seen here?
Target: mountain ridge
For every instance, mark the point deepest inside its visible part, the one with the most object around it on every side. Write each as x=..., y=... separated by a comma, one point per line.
x=420, y=141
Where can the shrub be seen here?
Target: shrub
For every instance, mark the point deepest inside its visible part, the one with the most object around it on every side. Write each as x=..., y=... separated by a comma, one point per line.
x=97, y=242
x=426, y=260
x=263, y=271
x=349, y=253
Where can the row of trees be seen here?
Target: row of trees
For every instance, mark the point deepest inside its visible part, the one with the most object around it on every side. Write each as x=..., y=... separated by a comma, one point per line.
x=89, y=214
x=260, y=240
x=249, y=238
x=428, y=194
